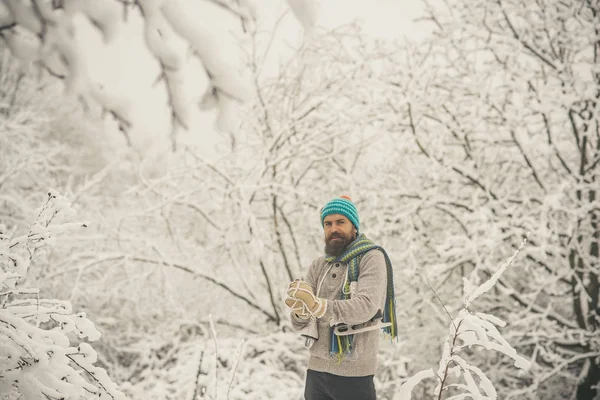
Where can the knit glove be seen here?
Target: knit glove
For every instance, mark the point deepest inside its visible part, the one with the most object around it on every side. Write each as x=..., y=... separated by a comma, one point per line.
x=301, y=290
x=298, y=307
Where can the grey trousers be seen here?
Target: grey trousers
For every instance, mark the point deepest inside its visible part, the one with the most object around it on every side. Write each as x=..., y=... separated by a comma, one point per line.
x=325, y=386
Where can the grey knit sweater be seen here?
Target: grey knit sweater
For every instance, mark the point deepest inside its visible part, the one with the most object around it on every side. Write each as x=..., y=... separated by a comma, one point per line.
x=326, y=280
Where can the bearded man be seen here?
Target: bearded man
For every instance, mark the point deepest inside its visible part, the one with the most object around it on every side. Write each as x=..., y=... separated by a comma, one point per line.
x=347, y=297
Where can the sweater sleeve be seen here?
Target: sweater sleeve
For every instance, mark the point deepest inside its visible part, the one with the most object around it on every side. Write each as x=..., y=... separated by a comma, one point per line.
x=298, y=324
x=369, y=297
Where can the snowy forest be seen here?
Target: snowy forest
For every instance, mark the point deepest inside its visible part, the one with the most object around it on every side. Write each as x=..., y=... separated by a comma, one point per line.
x=163, y=164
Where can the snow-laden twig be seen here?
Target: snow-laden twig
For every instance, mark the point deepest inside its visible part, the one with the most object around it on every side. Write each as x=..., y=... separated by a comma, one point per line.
x=405, y=391
x=473, y=293
x=44, y=33
x=235, y=366
x=213, y=332
x=469, y=329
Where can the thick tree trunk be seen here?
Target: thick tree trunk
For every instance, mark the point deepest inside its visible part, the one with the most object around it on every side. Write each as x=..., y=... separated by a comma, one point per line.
x=583, y=260
x=592, y=378
x=584, y=389
x=589, y=130
x=585, y=274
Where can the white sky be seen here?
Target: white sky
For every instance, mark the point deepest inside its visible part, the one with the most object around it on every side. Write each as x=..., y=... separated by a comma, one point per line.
x=126, y=67
x=384, y=18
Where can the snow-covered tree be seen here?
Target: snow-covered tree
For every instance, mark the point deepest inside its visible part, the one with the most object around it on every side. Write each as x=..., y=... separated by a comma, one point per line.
x=43, y=351
x=456, y=377
x=49, y=34
x=43, y=143
x=496, y=136
x=453, y=150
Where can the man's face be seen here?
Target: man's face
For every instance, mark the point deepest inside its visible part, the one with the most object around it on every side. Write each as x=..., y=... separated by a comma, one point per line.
x=339, y=233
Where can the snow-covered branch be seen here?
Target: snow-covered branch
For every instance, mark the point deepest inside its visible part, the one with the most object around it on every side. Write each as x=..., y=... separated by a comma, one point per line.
x=41, y=362
x=45, y=33
x=469, y=330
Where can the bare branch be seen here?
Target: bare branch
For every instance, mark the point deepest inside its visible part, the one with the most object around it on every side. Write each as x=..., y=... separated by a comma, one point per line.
x=215, y=281
x=529, y=164
x=549, y=135
x=521, y=40
x=413, y=129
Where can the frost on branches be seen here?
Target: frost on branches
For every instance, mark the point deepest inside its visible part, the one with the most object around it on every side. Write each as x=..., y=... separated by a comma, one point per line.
x=45, y=33
x=37, y=360
x=469, y=329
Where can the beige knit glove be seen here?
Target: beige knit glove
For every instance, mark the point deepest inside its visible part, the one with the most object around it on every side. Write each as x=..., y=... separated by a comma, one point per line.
x=302, y=291
x=298, y=307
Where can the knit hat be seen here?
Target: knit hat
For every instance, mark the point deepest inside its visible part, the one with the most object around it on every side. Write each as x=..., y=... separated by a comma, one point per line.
x=341, y=205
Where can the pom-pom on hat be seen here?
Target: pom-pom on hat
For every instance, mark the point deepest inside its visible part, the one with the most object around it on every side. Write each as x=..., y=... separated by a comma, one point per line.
x=341, y=205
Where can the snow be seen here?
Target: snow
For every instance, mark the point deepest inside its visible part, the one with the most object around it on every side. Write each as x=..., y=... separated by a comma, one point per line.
x=39, y=360
x=307, y=12
x=471, y=294
x=24, y=15
x=23, y=44
x=405, y=391
x=6, y=17
x=174, y=263
x=105, y=16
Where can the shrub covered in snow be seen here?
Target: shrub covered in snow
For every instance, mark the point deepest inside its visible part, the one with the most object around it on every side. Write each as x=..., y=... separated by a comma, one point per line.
x=467, y=330
x=195, y=363
x=42, y=352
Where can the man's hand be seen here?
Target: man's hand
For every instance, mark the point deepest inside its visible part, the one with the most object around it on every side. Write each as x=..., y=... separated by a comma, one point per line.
x=302, y=291
x=298, y=307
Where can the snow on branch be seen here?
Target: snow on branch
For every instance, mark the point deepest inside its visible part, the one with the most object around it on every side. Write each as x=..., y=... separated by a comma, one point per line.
x=307, y=12
x=44, y=32
x=473, y=293
x=38, y=359
x=468, y=330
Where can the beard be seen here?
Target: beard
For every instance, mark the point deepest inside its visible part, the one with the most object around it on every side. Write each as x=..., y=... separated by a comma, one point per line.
x=336, y=243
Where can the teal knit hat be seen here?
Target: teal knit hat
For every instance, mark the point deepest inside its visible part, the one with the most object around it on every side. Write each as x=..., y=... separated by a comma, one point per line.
x=341, y=205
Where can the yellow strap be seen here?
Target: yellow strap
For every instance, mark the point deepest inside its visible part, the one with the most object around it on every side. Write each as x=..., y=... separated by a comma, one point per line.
x=340, y=350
